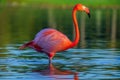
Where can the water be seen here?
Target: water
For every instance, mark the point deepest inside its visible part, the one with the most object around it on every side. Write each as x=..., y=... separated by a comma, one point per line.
x=73, y=64
x=96, y=57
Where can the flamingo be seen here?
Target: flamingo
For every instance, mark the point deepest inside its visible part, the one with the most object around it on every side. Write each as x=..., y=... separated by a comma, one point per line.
x=50, y=41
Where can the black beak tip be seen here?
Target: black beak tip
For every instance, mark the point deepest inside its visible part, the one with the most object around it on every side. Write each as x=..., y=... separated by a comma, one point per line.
x=89, y=15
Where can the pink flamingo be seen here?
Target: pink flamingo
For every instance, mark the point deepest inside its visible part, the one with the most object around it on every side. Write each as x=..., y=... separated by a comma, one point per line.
x=51, y=41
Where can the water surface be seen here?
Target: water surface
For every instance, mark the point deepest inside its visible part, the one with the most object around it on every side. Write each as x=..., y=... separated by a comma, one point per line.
x=73, y=64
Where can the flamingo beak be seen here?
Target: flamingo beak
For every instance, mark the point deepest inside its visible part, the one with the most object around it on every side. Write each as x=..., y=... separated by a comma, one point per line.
x=88, y=15
x=87, y=11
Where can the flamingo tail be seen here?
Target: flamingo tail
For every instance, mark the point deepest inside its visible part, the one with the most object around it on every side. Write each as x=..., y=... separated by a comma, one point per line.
x=26, y=45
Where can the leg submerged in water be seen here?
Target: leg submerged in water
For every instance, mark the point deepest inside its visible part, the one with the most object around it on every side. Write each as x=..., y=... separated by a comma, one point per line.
x=50, y=61
x=50, y=56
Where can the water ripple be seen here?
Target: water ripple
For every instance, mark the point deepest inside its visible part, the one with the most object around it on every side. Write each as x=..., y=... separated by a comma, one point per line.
x=88, y=63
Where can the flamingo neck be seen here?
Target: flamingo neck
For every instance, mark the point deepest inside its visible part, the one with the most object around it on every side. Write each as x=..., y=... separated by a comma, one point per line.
x=77, y=36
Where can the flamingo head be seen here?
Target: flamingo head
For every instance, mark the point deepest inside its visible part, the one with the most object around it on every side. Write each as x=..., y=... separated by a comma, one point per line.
x=82, y=8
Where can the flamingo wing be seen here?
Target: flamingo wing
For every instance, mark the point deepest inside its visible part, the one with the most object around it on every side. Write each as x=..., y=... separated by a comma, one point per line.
x=51, y=40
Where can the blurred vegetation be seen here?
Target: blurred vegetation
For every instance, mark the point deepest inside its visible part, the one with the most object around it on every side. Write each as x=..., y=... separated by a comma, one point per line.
x=20, y=20
x=64, y=2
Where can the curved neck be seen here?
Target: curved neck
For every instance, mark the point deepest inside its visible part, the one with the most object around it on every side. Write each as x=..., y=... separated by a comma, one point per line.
x=77, y=34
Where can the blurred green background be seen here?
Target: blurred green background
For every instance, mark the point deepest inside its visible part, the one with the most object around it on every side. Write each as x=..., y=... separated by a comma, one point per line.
x=66, y=2
x=20, y=20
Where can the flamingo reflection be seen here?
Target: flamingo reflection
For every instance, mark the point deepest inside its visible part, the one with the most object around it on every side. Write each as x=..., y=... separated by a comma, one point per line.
x=57, y=74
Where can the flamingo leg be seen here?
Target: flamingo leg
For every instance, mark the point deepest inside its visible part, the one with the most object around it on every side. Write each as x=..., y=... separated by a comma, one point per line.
x=50, y=60
x=50, y=56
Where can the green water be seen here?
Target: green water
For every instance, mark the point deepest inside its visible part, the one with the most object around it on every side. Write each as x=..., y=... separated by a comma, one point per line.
x=96, y=57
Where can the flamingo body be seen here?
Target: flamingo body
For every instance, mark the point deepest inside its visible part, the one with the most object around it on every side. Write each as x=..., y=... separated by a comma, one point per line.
x=51, y=41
